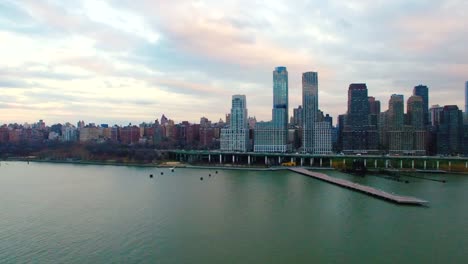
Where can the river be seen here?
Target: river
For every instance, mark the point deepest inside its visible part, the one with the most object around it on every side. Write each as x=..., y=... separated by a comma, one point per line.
x=65, y=213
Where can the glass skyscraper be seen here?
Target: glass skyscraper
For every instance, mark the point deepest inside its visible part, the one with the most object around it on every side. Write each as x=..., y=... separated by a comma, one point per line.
x=273, y=136
x=310, y=109
x=358, y=135
x=423, y=91
x=280, y=98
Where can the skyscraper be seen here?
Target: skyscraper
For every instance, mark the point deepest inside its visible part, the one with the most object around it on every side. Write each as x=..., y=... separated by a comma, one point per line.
x=415, y=112
x=399, y=140
x=316, y=133
x=450, y=131
x=396, y=114
x=280, y=99
x=310, y=108
x=236, y=137
x=358, y=105
x=273, y=136
x=416, y=125
x=358, y=135
x=423, y=91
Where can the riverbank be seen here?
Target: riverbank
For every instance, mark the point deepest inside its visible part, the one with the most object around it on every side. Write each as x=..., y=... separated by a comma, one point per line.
x=176, y=164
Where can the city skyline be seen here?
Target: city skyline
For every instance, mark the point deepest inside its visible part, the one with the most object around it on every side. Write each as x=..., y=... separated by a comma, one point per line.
x=127, y=62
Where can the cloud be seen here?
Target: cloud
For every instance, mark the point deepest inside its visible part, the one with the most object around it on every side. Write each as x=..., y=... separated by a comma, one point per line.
x=186, y=58
x=5, y=83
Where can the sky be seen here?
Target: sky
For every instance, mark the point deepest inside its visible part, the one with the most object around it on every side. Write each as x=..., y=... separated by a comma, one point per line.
x=130, y=61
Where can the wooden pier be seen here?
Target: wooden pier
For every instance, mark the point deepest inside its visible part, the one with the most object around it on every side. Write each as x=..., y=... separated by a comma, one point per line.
x=361, y=188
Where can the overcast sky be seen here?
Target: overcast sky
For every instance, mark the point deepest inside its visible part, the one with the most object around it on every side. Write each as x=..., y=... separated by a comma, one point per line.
x=132, y=61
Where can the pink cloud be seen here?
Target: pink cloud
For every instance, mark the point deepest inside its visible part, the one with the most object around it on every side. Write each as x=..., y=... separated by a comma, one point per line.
x=427, y=32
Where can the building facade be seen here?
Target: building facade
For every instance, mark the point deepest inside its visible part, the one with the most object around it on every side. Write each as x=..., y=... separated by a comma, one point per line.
x=359, y=136
x=423, y=91
x=273, y=136
x=450, y=131
x=310, y=110
x=322, y=138
x=236, y=136
x=415, y=110
x=297, y=116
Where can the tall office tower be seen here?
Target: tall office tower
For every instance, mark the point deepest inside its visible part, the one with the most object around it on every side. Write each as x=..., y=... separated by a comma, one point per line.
x=236, y=137
x=310, y=109
x=358, y=105
x=358, y=135
x=297, y=116
x=415, y=112
x=398, y=140
x=273, y=136
x=396, y=114
x=450, y=131
x=423, y=91
x=416, y=125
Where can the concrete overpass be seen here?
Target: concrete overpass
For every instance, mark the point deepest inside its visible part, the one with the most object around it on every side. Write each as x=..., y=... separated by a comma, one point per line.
x=214, y=157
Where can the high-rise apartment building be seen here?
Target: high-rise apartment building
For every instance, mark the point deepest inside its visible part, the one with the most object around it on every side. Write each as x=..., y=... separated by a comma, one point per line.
x=280, y=100
x=236, y=136
x=322, y=138
x=396, y=114
x=415, y=112
x=423, y=91
x=359, y=136
x=310, y=109
x=273, y=136
x=450, y=131
x=316, y=133
x=398, y=140
x=358, y=105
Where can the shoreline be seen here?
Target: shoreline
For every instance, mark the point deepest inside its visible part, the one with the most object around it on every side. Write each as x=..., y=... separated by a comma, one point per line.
x=167, y=164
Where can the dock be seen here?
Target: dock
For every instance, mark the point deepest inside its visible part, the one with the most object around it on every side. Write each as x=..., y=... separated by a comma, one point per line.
x=407, y=200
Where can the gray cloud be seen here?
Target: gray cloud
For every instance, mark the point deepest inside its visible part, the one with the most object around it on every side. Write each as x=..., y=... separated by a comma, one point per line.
x=211, y=49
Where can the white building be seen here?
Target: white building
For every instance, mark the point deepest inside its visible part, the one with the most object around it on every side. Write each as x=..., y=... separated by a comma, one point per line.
x=236, y=136
x=69, y=133
x=322, y=138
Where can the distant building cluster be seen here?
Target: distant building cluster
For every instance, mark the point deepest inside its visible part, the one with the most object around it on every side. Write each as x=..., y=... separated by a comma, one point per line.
x=163, y=134
x=363, y=129
x=307, y=130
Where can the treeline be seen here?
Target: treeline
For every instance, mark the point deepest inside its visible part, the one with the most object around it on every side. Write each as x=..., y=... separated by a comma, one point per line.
x=90, y=151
